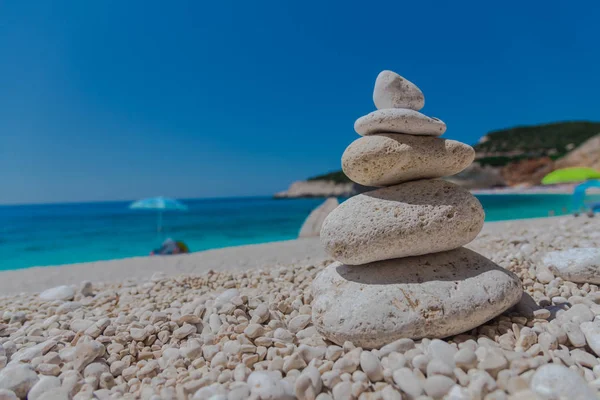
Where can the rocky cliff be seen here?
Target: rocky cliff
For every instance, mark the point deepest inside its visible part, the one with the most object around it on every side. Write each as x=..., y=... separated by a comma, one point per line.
x=586, y=155
x=319, y=188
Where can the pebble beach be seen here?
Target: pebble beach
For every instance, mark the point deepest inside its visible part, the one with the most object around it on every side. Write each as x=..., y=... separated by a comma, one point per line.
x=247, y=333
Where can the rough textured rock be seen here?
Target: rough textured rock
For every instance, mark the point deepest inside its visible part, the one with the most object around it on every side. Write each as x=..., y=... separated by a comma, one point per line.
x=578, y=265
x=313, y=223
x=435, y=295
x=389, y=159
x=399, y=120
x=555, y=381
x=393, y=91
x=527, y=172
x=58, y=293
x=408, y=219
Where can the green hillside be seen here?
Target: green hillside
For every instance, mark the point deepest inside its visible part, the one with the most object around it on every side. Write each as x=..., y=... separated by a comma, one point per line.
x=337, y=177
x=554, y=140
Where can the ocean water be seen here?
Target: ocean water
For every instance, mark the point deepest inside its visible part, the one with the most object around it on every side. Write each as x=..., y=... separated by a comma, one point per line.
x=51, y=234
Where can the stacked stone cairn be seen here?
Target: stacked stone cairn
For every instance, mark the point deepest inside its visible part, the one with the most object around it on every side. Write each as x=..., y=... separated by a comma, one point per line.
x=401, y=270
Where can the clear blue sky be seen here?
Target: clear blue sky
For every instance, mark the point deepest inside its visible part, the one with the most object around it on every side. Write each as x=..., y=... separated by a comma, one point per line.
x=105, y=100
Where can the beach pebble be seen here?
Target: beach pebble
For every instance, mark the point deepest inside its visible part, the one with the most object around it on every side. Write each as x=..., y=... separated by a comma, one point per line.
x=465, y=358
x=309, y=384
x=578, y=265
x=407, y=382
x=435, y=295
x=313, y=223
x=184, y=331
x=389, y=159
x=225, y=297
x=399, y=346
x=399, y=121
x=86, y=352
x=591, y=330
x=58, y=293
x=408, y=219
x=437, y=386
x=266, y=385
x=553, y=381
x=371, y=365
x=574, y=334
x=61, y=394
x=27, y=354
x=342, y=391
x=18, y=378
x=40, y=387
x=6, y=394
x=443, y=351
x=544, y=275
x=138, y=334
x=298, y=323
x=393, y=91
x=578, y=313
x=86, y=288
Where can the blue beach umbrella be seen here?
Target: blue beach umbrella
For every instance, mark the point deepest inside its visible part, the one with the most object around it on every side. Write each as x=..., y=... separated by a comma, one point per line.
x=159, y=203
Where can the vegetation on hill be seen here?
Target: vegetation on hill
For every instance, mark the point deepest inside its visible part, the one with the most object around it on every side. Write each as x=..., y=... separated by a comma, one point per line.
x=337, y=177
x=553, y=140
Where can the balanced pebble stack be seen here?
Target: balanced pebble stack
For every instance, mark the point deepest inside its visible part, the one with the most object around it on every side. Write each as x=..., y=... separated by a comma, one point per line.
x=401, y=271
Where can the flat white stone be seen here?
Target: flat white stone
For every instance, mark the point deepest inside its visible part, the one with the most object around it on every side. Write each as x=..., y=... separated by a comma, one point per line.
x=408, y=219
x=399, y=120
x=579, y=265
x=591, y=330
x=393, y=91
x=553, y=381
x=434, y=296
x=390, y=159
x=58, y=293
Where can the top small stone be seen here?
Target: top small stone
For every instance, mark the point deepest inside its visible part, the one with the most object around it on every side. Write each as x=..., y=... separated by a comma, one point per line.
x=393, y=91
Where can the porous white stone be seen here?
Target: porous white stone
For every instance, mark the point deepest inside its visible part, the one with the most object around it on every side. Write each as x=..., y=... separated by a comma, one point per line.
x=578, y=265
x=393, y=91
x=435, y=295
x=58, y=293
x=398, y=121
x=389, y=159
x=408, y=219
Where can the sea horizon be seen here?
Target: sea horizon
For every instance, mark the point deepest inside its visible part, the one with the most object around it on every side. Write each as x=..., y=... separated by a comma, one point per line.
x=182, y=199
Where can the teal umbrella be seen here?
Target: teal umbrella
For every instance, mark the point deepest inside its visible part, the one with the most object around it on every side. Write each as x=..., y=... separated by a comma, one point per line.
x=161, y=204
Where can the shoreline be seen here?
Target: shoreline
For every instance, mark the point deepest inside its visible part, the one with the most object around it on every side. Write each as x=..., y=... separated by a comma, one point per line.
x=236, y=258
x=297, y=252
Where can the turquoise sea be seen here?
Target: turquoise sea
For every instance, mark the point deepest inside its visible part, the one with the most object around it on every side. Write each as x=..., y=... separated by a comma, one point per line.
x=51, y=234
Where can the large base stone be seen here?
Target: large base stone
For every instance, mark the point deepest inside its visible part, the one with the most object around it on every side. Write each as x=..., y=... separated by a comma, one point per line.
x=434, y=296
